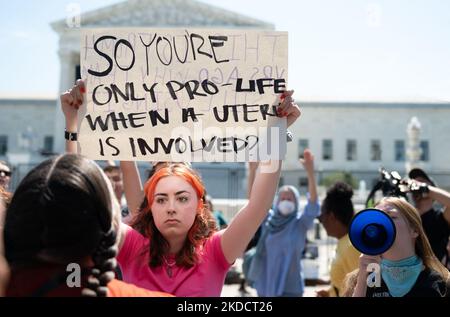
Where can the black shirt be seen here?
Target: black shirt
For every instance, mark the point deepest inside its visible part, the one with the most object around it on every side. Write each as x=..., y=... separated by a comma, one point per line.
x=429, y=284
x=437, y=230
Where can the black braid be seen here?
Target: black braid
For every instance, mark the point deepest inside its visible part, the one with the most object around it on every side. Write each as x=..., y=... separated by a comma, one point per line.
x=103, y=270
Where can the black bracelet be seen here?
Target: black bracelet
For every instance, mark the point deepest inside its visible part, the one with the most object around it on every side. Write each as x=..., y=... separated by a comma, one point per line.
x=70, y=136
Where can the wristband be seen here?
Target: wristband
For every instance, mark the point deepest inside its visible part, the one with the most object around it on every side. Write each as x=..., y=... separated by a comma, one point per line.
x=70, y=136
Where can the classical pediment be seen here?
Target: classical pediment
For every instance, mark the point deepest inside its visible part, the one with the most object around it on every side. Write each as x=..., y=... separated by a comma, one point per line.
x=164, y=13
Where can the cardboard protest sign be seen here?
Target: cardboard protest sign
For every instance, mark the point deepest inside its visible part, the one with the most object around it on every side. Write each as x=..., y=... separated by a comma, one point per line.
x=183, y=94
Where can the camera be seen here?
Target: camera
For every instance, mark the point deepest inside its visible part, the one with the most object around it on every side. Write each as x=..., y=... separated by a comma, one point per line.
x=391, y=184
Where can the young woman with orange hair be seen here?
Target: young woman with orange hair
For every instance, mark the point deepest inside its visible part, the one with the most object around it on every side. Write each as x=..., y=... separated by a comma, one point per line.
x=172, y=245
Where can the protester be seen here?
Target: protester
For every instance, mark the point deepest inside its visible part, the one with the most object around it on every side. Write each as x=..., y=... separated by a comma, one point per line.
x=409, y=268
x=4, y=269
x=115, y=176
x=435, y=220
x=337, y=213
x=5, y=175
x=5, y=196
x=276, y=268
x=174, y=246
x=218, y=215
x=64, y=215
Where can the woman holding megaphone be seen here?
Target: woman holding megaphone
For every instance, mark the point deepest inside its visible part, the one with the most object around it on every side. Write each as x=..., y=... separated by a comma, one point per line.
x=408, y=268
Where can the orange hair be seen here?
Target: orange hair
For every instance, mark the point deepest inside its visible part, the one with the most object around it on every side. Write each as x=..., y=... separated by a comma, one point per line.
x=203, y=227
x=175, y=170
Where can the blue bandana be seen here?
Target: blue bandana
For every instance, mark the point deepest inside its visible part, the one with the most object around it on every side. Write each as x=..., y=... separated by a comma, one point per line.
x=400, y=276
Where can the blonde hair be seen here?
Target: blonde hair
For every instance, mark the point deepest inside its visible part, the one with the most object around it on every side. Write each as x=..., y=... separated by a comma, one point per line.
x=422, y=245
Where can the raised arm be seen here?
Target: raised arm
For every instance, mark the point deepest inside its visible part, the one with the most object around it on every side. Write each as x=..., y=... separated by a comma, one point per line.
x=432, y=193
x=308, y=165
x=312, y=209
x=71, y=100
x=132, y=185
x=442, y=197
x=244, y=225
x=252, y=167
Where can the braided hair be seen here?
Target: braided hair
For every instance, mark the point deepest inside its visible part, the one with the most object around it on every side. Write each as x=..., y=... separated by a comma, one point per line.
x=62, y=212
x=105, y=263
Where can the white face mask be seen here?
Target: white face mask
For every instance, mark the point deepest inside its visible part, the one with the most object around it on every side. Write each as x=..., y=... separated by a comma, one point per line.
x=286, y=207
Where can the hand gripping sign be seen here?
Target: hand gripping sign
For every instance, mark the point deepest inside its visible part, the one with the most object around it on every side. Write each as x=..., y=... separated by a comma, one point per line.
x=183, y=94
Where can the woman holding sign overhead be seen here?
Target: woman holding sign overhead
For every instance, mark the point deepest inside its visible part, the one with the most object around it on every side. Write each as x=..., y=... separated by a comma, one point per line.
x=173, y=245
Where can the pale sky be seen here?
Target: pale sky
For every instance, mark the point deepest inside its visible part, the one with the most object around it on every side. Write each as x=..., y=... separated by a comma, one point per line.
x=339, y=50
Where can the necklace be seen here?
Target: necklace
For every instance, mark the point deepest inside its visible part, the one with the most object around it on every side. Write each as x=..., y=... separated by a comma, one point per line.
x=169, y=265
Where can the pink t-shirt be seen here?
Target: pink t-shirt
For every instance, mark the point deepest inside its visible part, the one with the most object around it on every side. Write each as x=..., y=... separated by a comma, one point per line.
x=204, y=279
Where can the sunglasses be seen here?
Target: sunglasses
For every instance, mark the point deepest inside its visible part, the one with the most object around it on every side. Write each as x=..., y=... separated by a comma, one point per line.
x=5, y=173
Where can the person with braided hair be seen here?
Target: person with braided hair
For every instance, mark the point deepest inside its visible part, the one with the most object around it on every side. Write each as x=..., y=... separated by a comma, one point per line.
x=64, y=213
x=173, y=245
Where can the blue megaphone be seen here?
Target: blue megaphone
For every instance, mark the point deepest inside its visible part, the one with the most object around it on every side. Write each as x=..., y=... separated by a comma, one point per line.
x=372, y=231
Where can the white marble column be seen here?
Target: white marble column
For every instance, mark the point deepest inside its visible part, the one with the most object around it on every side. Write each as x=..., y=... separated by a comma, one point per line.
x=413, y=151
